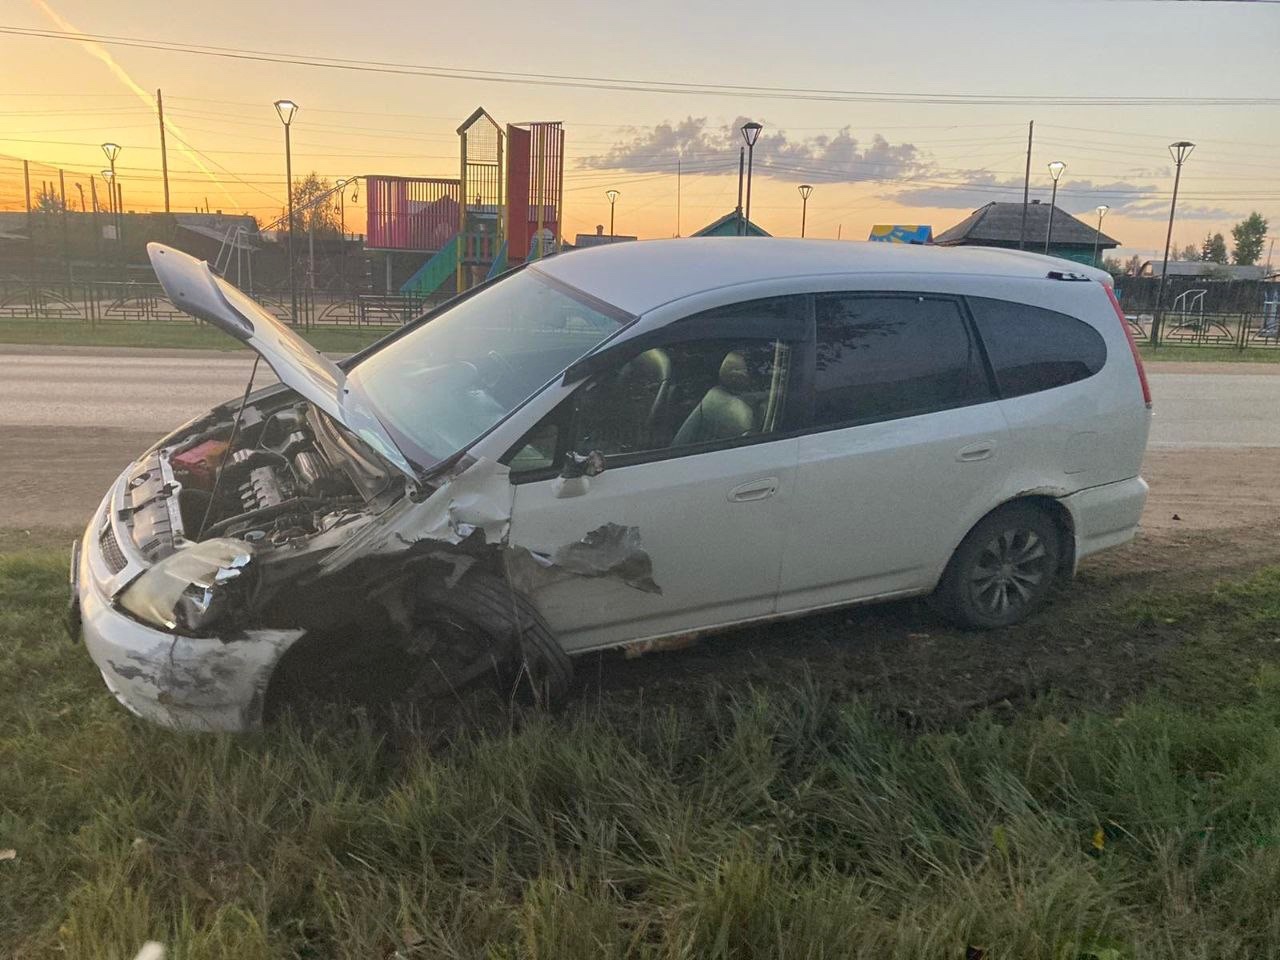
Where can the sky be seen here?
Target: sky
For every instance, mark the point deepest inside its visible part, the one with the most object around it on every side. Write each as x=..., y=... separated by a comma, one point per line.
x=870, y=161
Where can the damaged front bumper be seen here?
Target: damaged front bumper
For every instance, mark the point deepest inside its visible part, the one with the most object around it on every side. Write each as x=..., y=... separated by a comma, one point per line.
x=185, y=683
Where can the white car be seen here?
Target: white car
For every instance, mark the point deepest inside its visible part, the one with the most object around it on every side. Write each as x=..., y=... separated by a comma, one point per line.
x=617, y=446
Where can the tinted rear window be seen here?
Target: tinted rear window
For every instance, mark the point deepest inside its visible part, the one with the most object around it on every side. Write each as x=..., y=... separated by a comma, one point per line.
x=1034, y=349
x=882, y=357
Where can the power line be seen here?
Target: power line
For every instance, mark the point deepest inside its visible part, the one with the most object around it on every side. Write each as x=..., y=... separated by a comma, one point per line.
x=627, y=84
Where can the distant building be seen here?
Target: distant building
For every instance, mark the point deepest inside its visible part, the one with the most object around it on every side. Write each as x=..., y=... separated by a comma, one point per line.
x=1204, y=268
x=732, y=224
x=599, y=238
x=918, y=233
x=1000, y=225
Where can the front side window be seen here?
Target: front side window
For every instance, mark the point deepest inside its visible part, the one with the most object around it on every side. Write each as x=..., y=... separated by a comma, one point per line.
x=716, y=379
x=1033, y=349
x=445, y=383
x=690, y=394
x=881, y=357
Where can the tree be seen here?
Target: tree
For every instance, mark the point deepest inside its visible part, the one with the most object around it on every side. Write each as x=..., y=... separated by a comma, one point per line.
x=1214, y=249
x=1189, y=252
x=48, y=200
x=1132, y=266
x=312, y=209
x=1114, y=266
x=1249, y=234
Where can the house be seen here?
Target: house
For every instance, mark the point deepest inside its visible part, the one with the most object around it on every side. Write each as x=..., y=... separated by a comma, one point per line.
x=1204, y=268
x=599, y=238
x=732, y=224
x=1000, y=225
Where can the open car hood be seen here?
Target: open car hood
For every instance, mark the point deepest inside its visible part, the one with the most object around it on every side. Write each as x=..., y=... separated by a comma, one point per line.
x=192, y=287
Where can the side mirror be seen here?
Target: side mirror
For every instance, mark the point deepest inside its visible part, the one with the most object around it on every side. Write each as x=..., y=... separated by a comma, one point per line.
x=583, y=465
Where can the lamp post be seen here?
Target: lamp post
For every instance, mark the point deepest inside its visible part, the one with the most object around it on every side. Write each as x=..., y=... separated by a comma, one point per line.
x=1097, y=237
x=613, y=198
x=285, y=109
x=112, y=150
x=750, y=133
x=805, y=190
x=108, y=176
x=1179, y=150
x=1055, y=171
x=342, y=235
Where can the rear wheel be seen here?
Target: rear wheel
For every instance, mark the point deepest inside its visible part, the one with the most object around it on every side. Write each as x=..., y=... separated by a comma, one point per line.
x=1003, y=571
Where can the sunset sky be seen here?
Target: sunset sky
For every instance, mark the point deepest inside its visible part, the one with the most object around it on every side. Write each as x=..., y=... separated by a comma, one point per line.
x=870, y=162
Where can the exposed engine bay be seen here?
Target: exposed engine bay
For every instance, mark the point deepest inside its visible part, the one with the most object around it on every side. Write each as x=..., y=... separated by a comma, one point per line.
x=285, y=473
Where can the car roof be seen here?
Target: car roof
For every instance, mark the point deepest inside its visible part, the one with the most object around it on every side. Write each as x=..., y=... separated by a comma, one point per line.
x=638, y=276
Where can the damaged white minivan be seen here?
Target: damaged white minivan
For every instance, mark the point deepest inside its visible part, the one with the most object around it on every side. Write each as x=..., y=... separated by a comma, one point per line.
x=614, y=447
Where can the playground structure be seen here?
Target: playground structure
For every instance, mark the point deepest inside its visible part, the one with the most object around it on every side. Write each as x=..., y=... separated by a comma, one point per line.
x=503, y=208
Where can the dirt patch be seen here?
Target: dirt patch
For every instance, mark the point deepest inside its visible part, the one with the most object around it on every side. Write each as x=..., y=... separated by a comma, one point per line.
x=1207, y=489
x=56, y=478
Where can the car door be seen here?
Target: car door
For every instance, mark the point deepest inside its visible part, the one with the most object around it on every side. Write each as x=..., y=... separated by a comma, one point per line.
x=698, y=473
x=903, y=451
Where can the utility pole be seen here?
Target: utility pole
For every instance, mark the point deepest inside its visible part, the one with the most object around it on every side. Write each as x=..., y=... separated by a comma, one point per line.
x=66, y=245
x=97, y=230
x=164, y=154
x=1026, y=188
x=26, y=179
x=677, y=196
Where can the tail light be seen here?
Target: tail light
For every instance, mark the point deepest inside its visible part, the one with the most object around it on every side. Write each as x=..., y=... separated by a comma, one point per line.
x=1133, y=346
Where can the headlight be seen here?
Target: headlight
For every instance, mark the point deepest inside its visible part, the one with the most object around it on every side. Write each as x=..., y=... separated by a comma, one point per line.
x=190, y=589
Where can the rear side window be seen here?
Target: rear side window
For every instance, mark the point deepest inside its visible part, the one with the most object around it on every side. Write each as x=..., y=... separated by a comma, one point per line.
x=1033, y=349
x=882, y=357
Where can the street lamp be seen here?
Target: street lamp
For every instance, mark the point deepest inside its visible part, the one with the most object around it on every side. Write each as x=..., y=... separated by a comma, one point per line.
x=1055, y=171
x=1179, y=151
x=613, y=198
x=750, y=133
x=805, y=190
x=285, y=109
x=108, y=176
x=1097, y=237
x=342, y=235
x=112, y=150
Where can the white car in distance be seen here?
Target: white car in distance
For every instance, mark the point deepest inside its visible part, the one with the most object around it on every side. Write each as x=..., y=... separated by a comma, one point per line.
x=614, y=447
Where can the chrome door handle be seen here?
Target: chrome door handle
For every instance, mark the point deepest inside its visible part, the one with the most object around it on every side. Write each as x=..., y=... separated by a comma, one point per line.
x=982, y=450
x=761, y=489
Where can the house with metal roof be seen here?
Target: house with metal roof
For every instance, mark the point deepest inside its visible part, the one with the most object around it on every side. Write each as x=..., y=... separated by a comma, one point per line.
x=1001, y=225
x=732, y=224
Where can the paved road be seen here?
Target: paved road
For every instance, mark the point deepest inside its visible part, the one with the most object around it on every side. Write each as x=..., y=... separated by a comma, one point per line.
x=71, y=418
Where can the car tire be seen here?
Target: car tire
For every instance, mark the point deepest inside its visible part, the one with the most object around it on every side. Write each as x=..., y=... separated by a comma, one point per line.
x=1003, y=571
x=506, y=632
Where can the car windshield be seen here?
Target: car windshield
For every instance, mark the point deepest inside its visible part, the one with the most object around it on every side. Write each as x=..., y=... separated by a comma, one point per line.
x=440, y=386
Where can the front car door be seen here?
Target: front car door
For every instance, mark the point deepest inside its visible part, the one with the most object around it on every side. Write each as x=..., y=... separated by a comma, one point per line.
x=698, y=473
x=903, y=449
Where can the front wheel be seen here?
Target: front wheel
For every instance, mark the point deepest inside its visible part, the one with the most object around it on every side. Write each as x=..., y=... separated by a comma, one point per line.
x=1003, y=571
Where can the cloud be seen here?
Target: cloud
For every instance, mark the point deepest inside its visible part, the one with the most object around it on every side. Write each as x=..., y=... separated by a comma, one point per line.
x=840, y=158
x=973, y=189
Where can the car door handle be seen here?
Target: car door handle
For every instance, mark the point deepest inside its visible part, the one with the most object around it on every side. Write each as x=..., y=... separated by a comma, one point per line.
x=982, y=450
x=761, y=489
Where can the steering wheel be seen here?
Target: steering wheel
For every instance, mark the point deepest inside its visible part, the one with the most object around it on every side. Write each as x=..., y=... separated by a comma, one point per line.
x=502, y=366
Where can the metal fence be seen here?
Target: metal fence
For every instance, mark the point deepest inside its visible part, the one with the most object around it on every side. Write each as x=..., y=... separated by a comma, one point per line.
x=1227, y=331
x=96, y=303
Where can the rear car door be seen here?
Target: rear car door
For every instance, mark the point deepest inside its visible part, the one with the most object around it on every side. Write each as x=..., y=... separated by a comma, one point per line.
x=697, y=473
x=902, y=453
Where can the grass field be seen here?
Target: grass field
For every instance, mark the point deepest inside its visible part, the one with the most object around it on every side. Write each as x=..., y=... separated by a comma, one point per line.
x=350, y=339
x=781, y=819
